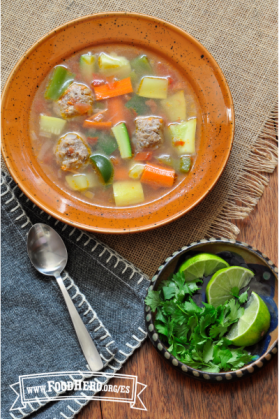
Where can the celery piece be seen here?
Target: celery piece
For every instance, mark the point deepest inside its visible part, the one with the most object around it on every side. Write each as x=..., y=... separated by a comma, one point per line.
x=183, y=136
x=137, y=103
x=87, y=65
x=153, y=87
x=60, y=80
x=114, y=66
x=141, y=65
x=133, y=76
x=185, y=164
x=128, y=193
x=51, y=125
x=122, y=137
x=175, y=106
x=136, y=170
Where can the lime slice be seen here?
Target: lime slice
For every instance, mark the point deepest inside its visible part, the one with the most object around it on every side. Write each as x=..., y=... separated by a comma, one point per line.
x=103, y=165
x=253, y=325
x=201, y=265
x=219, y=288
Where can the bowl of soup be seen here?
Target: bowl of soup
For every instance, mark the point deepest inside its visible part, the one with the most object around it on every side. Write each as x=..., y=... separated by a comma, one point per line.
x=117, y=122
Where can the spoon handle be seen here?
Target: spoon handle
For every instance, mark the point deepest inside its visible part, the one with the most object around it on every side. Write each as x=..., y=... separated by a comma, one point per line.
x=87, y=345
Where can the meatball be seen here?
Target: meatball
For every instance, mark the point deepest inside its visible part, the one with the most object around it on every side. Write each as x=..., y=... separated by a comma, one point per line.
x=77, y=100
x=72, y=153
x=149, y=133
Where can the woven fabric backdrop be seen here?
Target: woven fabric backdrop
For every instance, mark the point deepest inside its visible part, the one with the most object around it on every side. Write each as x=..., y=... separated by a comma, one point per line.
x=242, y=37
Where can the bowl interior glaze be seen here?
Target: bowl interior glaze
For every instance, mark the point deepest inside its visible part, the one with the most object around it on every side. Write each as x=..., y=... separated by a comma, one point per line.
x=182, y=50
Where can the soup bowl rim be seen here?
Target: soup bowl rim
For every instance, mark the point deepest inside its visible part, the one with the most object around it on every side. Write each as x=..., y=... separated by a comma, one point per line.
x=94, y=228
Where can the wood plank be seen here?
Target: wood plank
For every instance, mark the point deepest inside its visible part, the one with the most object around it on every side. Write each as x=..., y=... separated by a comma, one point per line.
x=170, y=394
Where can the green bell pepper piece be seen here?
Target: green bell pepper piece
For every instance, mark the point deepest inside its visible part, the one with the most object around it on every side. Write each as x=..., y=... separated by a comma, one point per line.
x=59, y=82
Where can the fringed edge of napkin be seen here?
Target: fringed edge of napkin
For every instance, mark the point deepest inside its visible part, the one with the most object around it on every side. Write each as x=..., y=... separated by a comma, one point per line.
x=245, y=194
x=113, y=363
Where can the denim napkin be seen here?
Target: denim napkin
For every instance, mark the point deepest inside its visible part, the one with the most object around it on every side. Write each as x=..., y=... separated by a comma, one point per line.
x=37, y=332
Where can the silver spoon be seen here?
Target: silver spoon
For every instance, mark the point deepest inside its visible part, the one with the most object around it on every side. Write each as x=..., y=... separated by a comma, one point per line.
x=49, y=256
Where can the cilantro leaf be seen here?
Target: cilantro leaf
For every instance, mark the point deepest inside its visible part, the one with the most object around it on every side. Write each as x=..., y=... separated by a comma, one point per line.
x=153, y=299
x=191, y=306
x=181, y=331
x=160, y=317
x=211, y=368
x=192, y=286
x=179, y=316
x=137, y=103
x=179, y=280
x=205, y=321
x=169, y=292
x=208, y=351
x=235, y=291
x=217, y=330
x=162, y=328
x=243, y=297
x=169, y=308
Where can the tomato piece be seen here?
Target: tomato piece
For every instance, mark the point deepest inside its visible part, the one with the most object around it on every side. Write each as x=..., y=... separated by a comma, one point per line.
x=92, y=140
x=170, y=80
x=82, y=108
x=97, y=80
x=143, y=156
x=152, y=105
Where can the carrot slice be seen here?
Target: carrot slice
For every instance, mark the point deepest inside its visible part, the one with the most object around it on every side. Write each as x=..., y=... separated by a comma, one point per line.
x=121, y=173
x=116, y=110
x=97, y=117
x=97, y=125
x=143, y=156
x=158, y=176
x=112, y=89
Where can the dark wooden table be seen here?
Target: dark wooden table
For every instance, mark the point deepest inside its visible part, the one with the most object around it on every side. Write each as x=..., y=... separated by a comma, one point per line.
x=170, y=395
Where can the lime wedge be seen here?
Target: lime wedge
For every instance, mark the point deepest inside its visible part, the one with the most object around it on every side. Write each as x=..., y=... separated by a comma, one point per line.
x=219, y=288
x=201, y=265
x=253, y=325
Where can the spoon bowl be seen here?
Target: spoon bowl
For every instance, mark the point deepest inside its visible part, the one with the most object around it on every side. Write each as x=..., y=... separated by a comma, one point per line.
x=46, y=250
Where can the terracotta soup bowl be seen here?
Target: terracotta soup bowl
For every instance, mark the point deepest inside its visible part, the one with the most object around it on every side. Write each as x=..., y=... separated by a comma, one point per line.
x=178, y=47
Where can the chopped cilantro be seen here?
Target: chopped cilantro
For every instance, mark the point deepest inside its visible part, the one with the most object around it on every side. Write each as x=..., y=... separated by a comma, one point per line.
x=137, y=104
x=193, y=334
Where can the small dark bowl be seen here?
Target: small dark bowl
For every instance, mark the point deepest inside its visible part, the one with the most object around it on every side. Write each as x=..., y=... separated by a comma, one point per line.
x=265, y=283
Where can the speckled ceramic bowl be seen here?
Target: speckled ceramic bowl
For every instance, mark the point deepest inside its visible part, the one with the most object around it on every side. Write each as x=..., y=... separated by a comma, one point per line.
x=182, y=50
x=264, y=283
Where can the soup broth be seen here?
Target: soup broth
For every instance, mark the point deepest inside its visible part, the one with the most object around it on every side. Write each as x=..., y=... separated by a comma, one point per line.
x=115, y=125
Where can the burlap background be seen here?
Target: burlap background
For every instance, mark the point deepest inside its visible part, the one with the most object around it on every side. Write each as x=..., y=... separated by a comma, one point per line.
x=242, y=37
